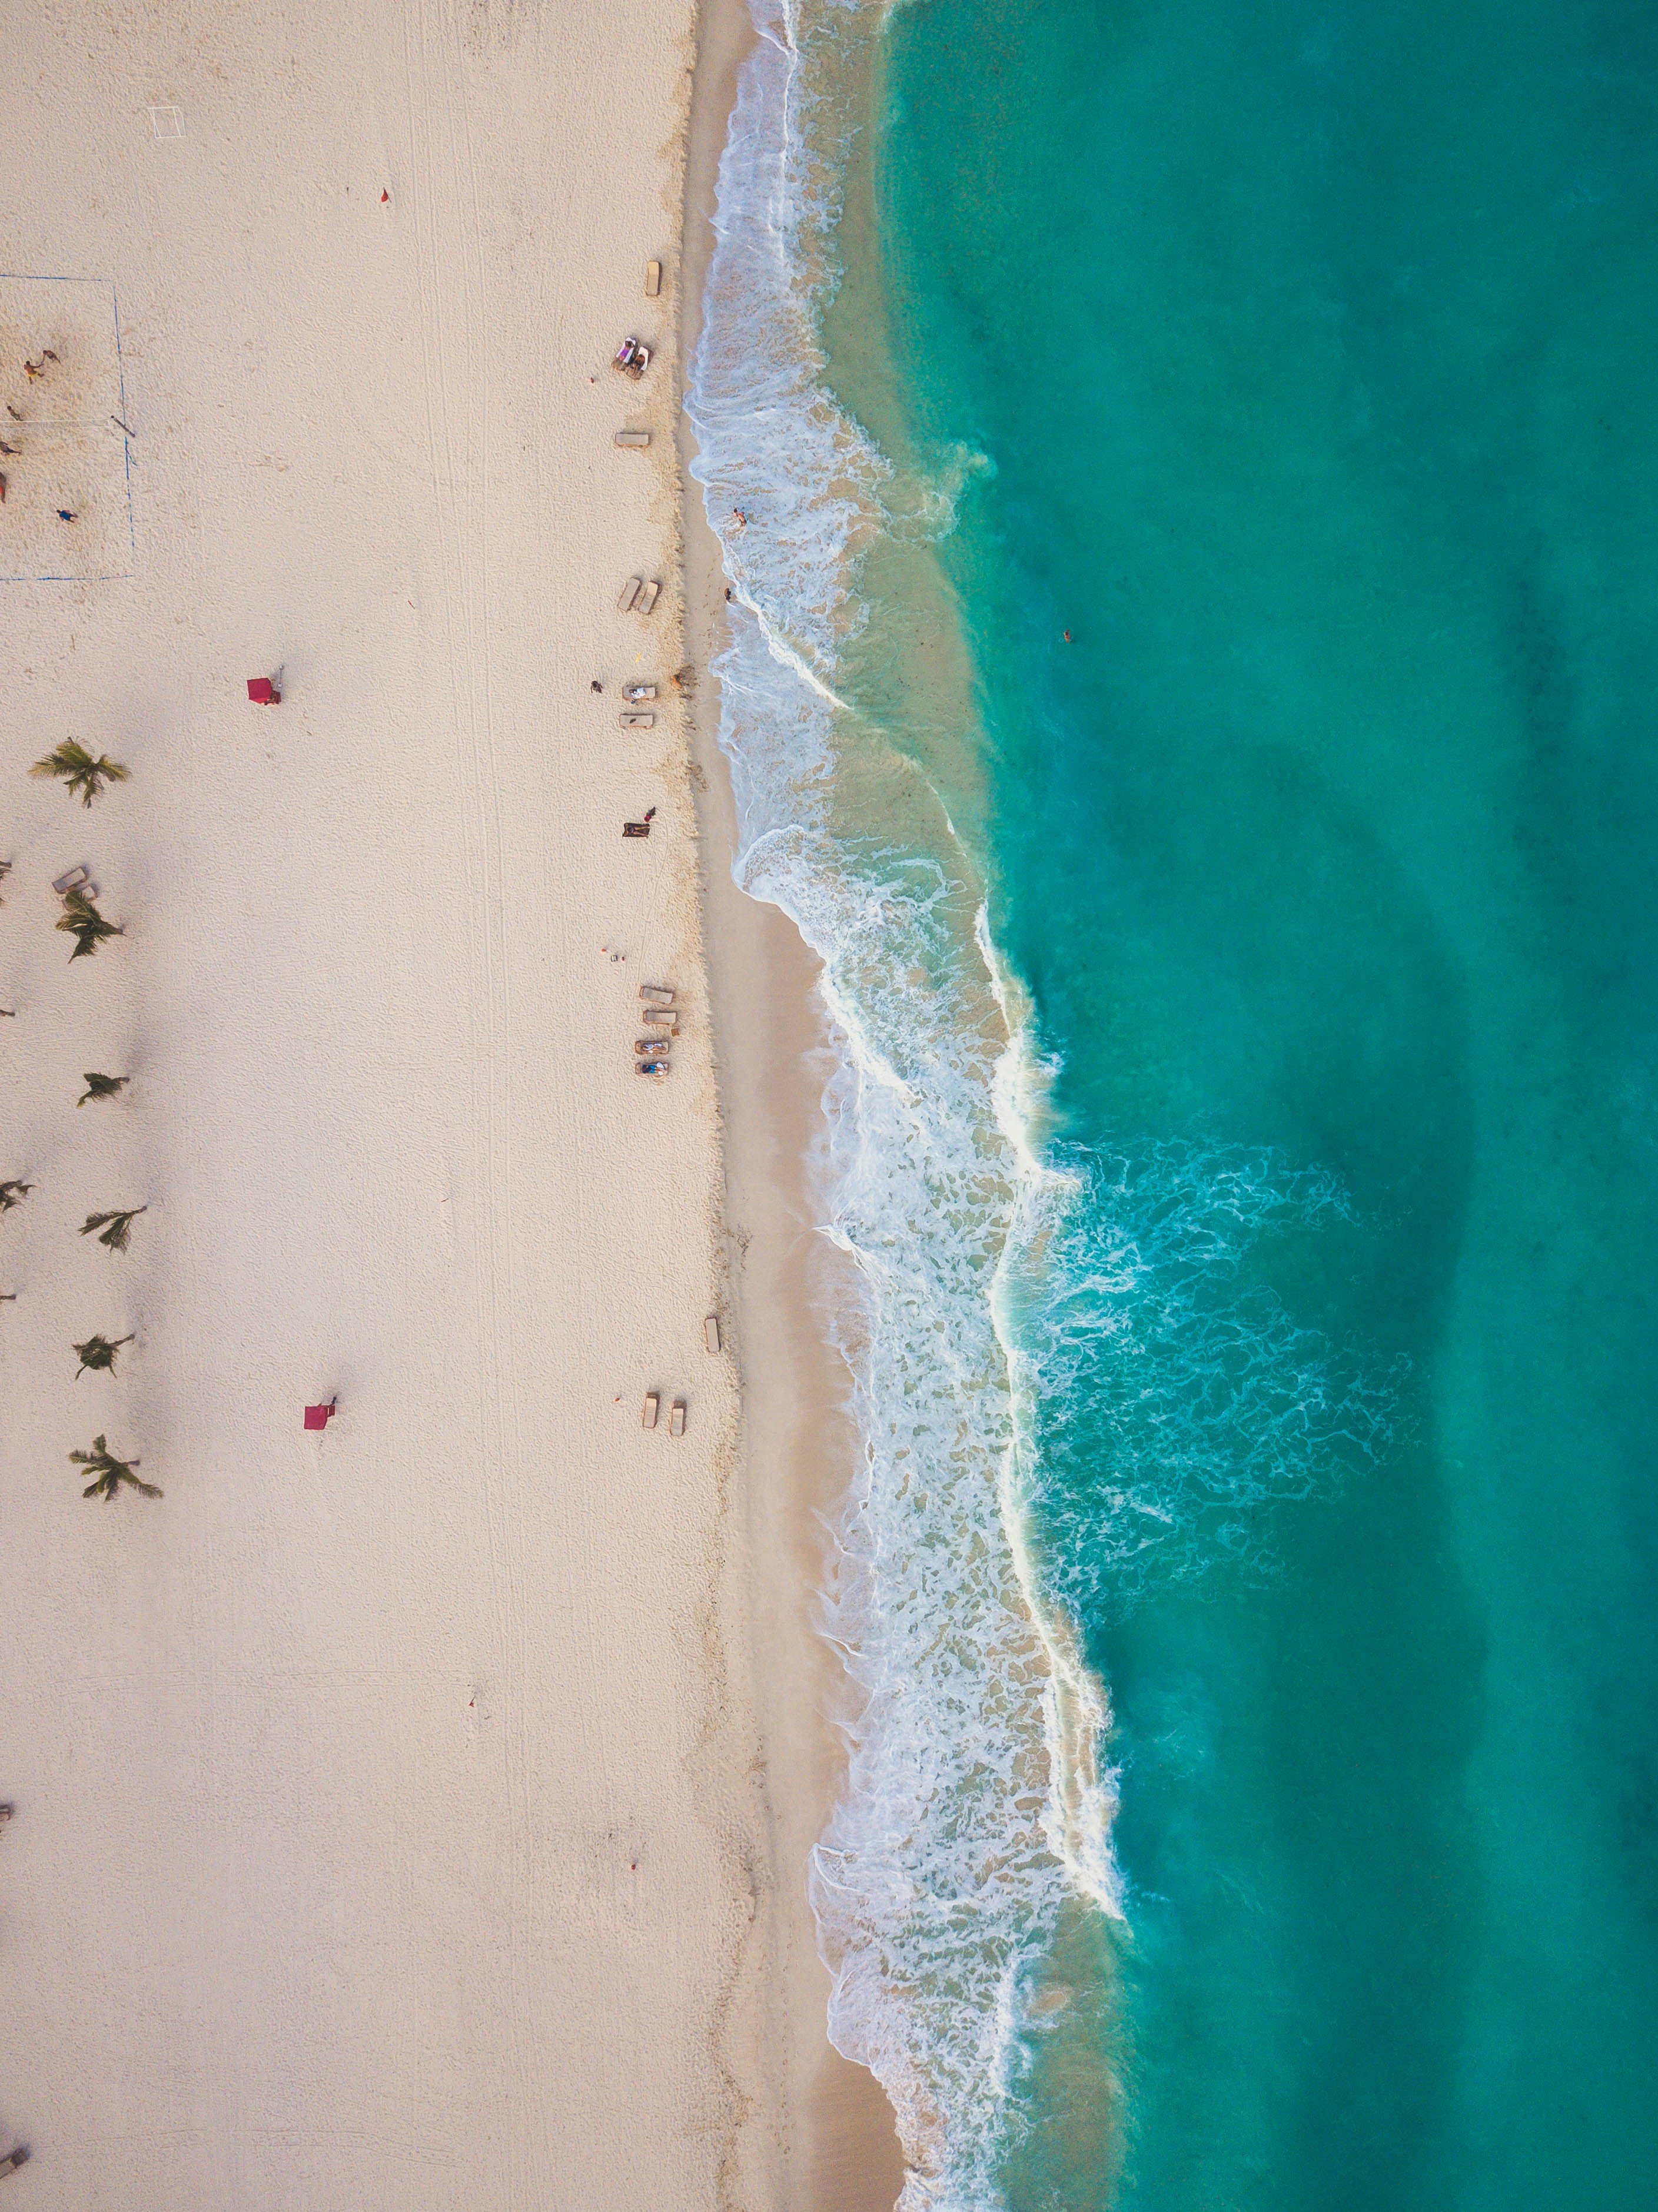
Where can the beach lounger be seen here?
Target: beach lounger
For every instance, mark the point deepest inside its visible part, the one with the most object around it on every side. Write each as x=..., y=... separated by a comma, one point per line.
x=653, y=279
x=663, y=1018
x=637, y=722
x=677, y=1417
x=638, y=691
x=647, y=598
x=74, y=881
x=635, y=828
x=13, y=2159
x=711, y=1332
x=633, y=437
x=656, y=994
x=650, y=1068
x=630, y=592
x=647, y=1047
x=652, y=1402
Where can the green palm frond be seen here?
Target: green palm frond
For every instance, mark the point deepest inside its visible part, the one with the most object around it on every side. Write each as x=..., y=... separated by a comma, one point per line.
x=102, y=1087
x=85, y=924
x=110, y=1473
x=81, y=775
x=117, y=1227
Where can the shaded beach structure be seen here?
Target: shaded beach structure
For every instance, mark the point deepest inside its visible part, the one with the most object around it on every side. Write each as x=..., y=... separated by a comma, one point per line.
x=677, y=1417
x=319, y=1416
x=652, y=1402
x=262, y=690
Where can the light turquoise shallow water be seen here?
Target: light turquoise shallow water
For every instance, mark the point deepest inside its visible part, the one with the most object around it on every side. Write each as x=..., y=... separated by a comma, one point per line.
x=1312, y=347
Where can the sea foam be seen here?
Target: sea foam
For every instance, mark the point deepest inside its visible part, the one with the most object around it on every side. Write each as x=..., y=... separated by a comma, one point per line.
x=972, y=1807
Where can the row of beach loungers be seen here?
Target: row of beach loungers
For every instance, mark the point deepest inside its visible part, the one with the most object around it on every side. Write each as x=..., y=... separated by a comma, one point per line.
x=659, y=1016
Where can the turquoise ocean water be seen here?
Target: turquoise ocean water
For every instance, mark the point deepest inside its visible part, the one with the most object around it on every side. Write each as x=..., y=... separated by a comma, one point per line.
x=1246, y=1118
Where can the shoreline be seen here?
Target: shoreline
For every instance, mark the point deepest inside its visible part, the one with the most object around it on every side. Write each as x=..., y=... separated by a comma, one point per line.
x=837, y=2144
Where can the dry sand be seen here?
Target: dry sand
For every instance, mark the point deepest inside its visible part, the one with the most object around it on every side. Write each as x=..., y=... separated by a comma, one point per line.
x=390, y=1813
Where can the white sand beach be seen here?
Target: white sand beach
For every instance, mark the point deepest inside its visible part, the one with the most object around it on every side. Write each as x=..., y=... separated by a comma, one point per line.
x=392, y=1813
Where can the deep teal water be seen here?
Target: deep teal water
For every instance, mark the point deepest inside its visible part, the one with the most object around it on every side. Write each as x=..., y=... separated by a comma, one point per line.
x=1314, y=347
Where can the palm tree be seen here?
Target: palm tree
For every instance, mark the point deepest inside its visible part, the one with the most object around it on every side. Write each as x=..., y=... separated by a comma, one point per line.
x=117, y=1227
x=110, y=1473
x=102, y=1087
x=13, y=1193
x=100, y=1353
x=85, y=924
x=82, y=776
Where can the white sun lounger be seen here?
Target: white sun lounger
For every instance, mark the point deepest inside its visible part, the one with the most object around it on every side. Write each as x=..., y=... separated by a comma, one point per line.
x=630, y=592
x=647, y=598
x=637, y=722
x=653, y=279
x=711, y=1332
x=652, y=1402
x=677, y=1417
x=658, y=994
x=72, y=881
x=635, y=692
x=633, y=437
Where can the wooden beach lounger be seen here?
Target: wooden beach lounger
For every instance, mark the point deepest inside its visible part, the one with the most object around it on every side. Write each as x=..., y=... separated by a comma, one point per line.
x=630, y=592
x=653, y=279
x=633, y=437
x=647, y=598
x=652, y=1402
x=74, y=881
x=656, y=994
x=653, y=1048
x=637, y=722
x=711, y=1332
x=677, y=1419
x=635, y=692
